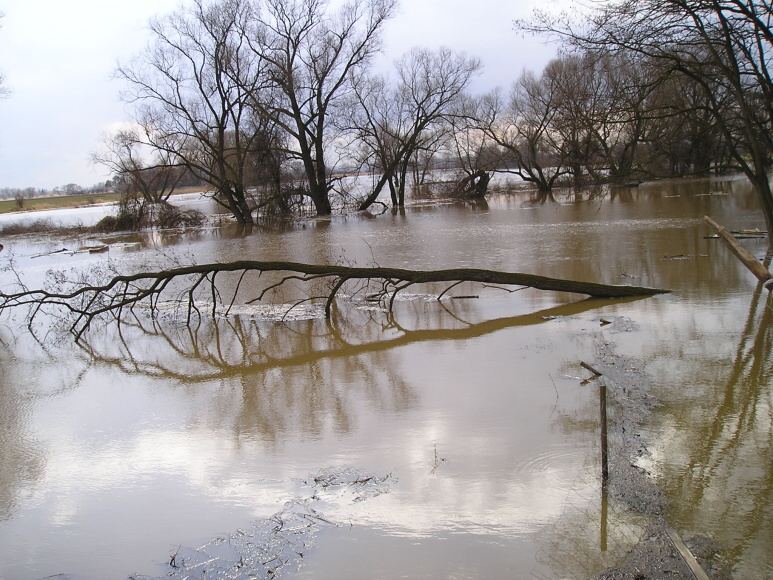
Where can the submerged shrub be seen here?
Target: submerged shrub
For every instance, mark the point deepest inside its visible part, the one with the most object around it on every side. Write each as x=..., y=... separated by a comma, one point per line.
x=136, y=215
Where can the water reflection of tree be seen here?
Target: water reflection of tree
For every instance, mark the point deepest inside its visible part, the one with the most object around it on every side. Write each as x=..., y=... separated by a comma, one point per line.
x=297, y=375
x=728, y=478
x=222, y=348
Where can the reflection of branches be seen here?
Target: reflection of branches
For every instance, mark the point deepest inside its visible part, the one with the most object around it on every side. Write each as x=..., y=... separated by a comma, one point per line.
x=310, y=394
x=741, y=425
x=295, y=376
x=219, y=350
x=87, y=302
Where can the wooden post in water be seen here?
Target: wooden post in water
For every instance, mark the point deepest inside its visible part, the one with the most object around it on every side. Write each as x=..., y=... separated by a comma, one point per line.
x=604, y=462
x=603, y=412
x=604, y=449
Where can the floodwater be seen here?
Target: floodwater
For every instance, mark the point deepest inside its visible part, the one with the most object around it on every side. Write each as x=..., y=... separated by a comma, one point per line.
x=451, y=439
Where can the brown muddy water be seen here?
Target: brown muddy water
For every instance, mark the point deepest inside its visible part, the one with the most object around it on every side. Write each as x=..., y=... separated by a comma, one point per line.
x=455, y=440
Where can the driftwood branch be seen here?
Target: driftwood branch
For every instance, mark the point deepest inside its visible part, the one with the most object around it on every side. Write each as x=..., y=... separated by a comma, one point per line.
x=87, y=302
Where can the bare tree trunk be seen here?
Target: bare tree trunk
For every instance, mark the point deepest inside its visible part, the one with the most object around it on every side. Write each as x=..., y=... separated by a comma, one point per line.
x=245, y=211
x=401, y=190
x=383, y=180
x=765, y=195
x=319, y=195
x=392, y=192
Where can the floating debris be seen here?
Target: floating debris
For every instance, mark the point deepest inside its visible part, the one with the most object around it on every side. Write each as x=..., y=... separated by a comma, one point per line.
x=349, y=482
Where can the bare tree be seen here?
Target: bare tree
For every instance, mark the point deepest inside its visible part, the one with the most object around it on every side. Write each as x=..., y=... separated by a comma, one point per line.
x=377, y=112
x=630, y=83
x=475, y=153
x=152, y=181
x=423, y=160
x=579, y=102
x=685, y=138
x=310, y=54
x=194, y=88
x=724, y=46
x=521, y=125
x=396, y=125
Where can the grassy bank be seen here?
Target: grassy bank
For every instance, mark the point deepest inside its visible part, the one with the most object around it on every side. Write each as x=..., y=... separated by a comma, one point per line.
x=68, y=201
x=61, y=202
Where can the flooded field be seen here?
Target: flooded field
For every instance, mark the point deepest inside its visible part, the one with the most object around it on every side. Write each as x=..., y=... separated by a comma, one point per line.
x=452, y=439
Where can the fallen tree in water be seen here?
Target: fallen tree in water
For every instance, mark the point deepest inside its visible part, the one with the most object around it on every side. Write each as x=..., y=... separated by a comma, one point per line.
x=123, y=293
x=759, y=269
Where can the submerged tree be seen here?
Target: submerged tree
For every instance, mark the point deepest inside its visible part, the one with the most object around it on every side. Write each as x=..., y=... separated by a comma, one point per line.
x=310, y=55
x=724, y=47
x=684, y=139
x=475, y=153
x=193, y=87
x=393, y=126
x=152, y=181
x=521, y=124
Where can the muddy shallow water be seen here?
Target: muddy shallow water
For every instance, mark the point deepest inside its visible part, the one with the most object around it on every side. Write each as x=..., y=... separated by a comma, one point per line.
x=156, y=440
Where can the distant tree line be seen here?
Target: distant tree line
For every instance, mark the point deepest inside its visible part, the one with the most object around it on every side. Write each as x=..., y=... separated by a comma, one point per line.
x=22, y=193
x=270, y=103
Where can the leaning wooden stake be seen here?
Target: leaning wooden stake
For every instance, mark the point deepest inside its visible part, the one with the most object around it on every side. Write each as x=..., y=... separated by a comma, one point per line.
x=754, y=265
x=604, y=448
x=604, y=462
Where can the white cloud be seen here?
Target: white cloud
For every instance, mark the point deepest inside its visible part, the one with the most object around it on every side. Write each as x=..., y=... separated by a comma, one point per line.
x=58, y=59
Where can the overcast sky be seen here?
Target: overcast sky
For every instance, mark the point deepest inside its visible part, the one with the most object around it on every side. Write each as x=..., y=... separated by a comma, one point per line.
x=58, y=57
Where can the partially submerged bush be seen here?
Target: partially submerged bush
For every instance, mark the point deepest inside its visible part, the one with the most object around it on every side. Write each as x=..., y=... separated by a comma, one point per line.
x=135, y=215
x=169, y=216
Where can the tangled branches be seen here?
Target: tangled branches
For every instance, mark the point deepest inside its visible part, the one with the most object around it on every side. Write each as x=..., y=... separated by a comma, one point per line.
x=88, y=302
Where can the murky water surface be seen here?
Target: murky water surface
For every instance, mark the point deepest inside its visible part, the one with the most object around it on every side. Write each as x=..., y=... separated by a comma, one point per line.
x=151, y=441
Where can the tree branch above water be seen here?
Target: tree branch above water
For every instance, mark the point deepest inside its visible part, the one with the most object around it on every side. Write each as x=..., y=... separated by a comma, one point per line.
x=121, y=294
